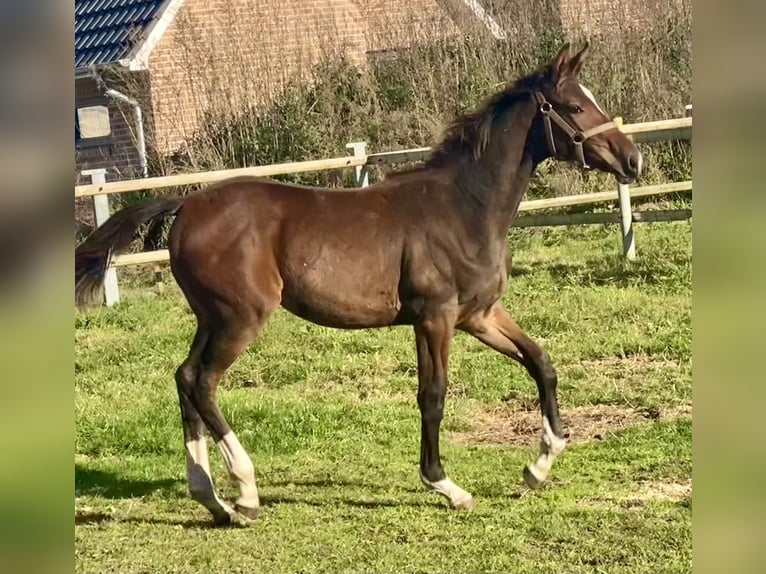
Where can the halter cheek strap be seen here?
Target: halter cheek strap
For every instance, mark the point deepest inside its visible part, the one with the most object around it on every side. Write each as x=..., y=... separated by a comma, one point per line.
x=578, y=137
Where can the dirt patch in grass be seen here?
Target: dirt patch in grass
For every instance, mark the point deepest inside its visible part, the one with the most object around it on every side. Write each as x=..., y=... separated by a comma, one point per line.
x=628, y=363
x=667, y=490
x=506, y=425
x=630, y=377
x=673, y=491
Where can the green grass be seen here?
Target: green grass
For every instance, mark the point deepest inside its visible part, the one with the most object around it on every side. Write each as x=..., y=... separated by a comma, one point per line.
x=331, y=422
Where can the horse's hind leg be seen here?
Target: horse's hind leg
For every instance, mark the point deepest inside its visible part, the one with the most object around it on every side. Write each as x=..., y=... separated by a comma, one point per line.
x=496, y=328
x=223, y=347
x=232, y=297
x=200, y=480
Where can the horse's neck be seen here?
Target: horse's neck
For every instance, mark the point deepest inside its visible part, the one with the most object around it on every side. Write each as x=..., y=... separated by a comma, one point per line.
x=496, y=183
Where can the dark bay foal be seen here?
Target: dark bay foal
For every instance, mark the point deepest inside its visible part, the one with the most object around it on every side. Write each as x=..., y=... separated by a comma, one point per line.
x=426, y=248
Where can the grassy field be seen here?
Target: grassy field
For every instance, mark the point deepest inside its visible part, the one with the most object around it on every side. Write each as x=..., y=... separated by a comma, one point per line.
x=332, y=425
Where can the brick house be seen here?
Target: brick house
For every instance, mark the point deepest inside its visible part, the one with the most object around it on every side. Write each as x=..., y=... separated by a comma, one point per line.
x=135, y=61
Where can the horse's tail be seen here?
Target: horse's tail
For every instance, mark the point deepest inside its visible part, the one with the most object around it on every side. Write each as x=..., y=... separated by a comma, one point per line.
x=94, y=255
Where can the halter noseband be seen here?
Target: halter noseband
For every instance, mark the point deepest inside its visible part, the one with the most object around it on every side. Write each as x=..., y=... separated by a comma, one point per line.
x=578, y=137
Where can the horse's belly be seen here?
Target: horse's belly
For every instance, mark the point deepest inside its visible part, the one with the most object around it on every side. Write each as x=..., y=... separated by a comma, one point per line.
x=340, y=301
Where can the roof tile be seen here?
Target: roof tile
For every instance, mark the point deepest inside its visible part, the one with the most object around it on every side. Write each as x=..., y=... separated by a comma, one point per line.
x=102, y=28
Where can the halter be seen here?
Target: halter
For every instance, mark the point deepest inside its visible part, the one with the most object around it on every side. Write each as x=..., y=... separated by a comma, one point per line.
x=578, y=137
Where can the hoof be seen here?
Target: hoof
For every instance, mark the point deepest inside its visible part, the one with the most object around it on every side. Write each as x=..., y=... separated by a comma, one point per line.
x=240, y=517
x=249, y=513
x=531, y=480
x=241, y=521
x=465, y=504
x=236, y=520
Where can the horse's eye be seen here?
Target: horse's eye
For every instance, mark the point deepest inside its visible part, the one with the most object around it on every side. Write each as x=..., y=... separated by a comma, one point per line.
x=575, y=109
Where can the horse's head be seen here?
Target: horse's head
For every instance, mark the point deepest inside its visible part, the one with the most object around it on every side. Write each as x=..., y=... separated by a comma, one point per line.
x=576, y=128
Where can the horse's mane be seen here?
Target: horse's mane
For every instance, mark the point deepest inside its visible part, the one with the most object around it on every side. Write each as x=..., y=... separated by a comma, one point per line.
x=469, y=133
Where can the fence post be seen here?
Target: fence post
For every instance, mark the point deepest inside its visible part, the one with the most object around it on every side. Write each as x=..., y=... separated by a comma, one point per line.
x=101, y=211
x=360, y=150
x=626, y=215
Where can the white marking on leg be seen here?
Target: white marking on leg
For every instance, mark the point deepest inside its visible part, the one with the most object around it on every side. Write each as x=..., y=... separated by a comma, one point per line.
x=200, y=482
x=241, y=469
x=592, y=98
x=555, y=444
x=550, y=447
x=458, y=497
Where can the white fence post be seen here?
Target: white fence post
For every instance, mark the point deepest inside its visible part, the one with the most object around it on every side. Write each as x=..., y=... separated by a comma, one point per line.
x=101, y=210
x=626, y=215
x=626, y=222
x=360, y=150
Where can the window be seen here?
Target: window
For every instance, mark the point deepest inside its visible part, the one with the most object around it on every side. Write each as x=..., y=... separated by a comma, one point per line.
x=92, y=126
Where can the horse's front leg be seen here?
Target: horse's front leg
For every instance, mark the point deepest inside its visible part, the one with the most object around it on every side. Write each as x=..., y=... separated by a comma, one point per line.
x=495, y=328
x=433, y=337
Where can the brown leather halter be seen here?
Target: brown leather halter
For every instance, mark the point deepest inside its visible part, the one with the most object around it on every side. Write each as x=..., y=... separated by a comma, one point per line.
x=577, y=136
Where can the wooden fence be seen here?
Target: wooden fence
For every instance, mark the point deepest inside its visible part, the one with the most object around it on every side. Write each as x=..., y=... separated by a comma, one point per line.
x=673, y=129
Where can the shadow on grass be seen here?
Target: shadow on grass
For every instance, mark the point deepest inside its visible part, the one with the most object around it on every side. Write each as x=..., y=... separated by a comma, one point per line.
x=340, y=484
x=110, y=485
x=279, y=499
x=332, y=493
x=101, y=518
x=88, y=481
x=95, y=518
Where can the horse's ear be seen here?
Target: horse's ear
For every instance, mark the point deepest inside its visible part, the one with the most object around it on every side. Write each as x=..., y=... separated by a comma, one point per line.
x=559, y=63
x=575, y=64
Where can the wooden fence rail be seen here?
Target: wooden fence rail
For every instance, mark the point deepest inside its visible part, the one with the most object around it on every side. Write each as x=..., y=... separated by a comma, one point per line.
x=213, y=176
x=601, y=218
x=678, y=128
